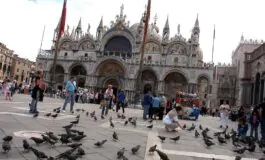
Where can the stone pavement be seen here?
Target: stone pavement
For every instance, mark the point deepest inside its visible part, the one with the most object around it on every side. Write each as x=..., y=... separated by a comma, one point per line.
x=15, y=118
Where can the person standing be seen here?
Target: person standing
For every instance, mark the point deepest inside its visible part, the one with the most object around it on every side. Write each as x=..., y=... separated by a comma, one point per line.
x=121, y=101
x=224, y=114
x=35, y=96
x=254, y=123
x=156, y=110
x=69, y=95
x=146, y=105
x=262, y=122
x=108, y=98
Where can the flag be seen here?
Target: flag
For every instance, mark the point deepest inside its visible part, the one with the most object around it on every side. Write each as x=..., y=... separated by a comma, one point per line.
x=62, y=20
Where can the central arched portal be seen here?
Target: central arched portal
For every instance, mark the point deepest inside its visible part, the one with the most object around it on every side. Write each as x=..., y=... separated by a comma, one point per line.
x=175, y=82
x=110, y=72
x=149, y=81
x=79, y=73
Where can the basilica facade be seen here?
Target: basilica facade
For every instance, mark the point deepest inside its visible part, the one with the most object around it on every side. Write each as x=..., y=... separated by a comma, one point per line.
x=171, y=63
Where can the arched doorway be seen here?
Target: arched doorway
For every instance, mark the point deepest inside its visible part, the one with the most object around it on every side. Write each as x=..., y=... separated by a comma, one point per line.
x=115, y=85
x=203, y=86
x=175, y=82
x=110, y=72
x=149, y=81
x=79, y=73
x=59, y=76
x=147, y=88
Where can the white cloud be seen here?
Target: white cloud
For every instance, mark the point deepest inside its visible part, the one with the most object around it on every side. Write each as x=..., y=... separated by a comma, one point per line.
x=22, y=21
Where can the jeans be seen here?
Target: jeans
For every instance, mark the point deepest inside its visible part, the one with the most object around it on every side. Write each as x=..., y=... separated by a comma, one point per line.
x=146, y=111
x=120, y=105
x=71, y=98
x=33, y=105
x=254, y=128
x=105, y=108
x=262, y=129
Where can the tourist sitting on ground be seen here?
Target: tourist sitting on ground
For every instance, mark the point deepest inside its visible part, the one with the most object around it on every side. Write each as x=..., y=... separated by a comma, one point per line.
x=171, y=119
x=242, y=127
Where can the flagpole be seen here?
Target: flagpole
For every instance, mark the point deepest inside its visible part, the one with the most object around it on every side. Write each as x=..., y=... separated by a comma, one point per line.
x=60, y=31
x=138, y=80
x=42, y=39
x=213, y=43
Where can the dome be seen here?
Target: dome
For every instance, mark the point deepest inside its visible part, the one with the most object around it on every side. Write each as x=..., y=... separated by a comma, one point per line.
x=153, y=32
x=199, y=54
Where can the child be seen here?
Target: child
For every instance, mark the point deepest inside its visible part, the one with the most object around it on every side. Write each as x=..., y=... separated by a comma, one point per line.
x=254, y=123
x=242, y=127
x=35, y=96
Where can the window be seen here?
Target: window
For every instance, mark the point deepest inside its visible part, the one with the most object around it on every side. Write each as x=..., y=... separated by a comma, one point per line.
x=18, y=70
x=65, y=54
x=86, y=55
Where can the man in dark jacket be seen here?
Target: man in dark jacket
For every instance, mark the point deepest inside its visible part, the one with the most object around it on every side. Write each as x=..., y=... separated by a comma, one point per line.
x=262, y=121
x=35, y=96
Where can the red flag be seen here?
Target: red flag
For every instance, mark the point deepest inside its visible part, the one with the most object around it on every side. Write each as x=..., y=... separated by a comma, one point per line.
x=62, y=20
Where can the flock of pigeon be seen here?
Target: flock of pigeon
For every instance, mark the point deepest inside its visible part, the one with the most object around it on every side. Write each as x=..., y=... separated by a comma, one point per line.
x=73, y=138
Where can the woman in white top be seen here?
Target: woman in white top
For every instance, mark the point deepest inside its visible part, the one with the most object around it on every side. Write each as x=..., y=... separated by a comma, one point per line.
x=224, y=114
x=108, y=96
x=171, y=119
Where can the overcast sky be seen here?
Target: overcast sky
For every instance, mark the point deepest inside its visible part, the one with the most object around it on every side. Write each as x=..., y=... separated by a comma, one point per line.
x=22, y=21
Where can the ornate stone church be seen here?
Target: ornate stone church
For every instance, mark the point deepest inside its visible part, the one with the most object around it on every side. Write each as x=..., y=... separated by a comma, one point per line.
x=171, y=62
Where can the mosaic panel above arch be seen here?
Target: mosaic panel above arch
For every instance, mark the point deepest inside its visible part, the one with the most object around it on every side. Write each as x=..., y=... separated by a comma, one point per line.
x=177, y=48
x=86, y=45
x=152, y=47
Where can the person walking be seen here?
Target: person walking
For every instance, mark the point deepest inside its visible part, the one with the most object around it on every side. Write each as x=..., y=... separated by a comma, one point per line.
x=108, y=96
x=69, y=95
x=121, y=101
x=254, y=123
x=224, y=114
x=147, y=104
x=35, y=96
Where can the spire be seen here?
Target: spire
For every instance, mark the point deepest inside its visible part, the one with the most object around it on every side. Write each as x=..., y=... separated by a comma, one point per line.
x=73, y=33
x=197, y=22
x=242, y=38
x=166, y=24
x=79, y=26
x=166, y=31
x=155, y=19
x=100, y=26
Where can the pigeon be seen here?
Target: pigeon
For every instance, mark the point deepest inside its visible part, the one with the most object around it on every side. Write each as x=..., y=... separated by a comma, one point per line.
x=184, y=126
x=74, y=145
x=77, y=110
x=162, y=138
x=78, y=137
x=120, y=153
x=102, y=117
x=175, y=139
x=47, y=114
x=95, y=118
x=111, y=124
x=162, y=155
x=208, y=142
x=6, y=146
x=150, y=121
x=92, y=114
x=76, y=131
x=80, y=152
x=35, y=115
x=52, y=136
x=241, y=150
x=192, y=127
x=200, y=127
x=54, y=115
x=251, y=147
x=83, y=110
x=197, y=134
x=39, y=154
x=87, y=113
x=133, y=122
x=150, y=126
x=78, y=116
x=221, y=139
x=115, y=136
x=37, y=140
x=135, y=149
x=8, y=138
x=123, y=116
x=68, y=126
x=75, y=122
x=26, y=145
x=238, y=158
x=125, y=123
x=124, y=158
x=152, y=149
x=100, y=144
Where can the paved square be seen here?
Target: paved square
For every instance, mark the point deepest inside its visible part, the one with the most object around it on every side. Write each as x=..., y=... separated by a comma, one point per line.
x=15, y=118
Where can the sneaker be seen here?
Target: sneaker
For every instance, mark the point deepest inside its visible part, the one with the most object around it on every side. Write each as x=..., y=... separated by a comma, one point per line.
x=63, y=110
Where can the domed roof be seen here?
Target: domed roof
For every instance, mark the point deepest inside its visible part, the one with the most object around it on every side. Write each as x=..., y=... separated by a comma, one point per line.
x=153, y=31
x=199, y=54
